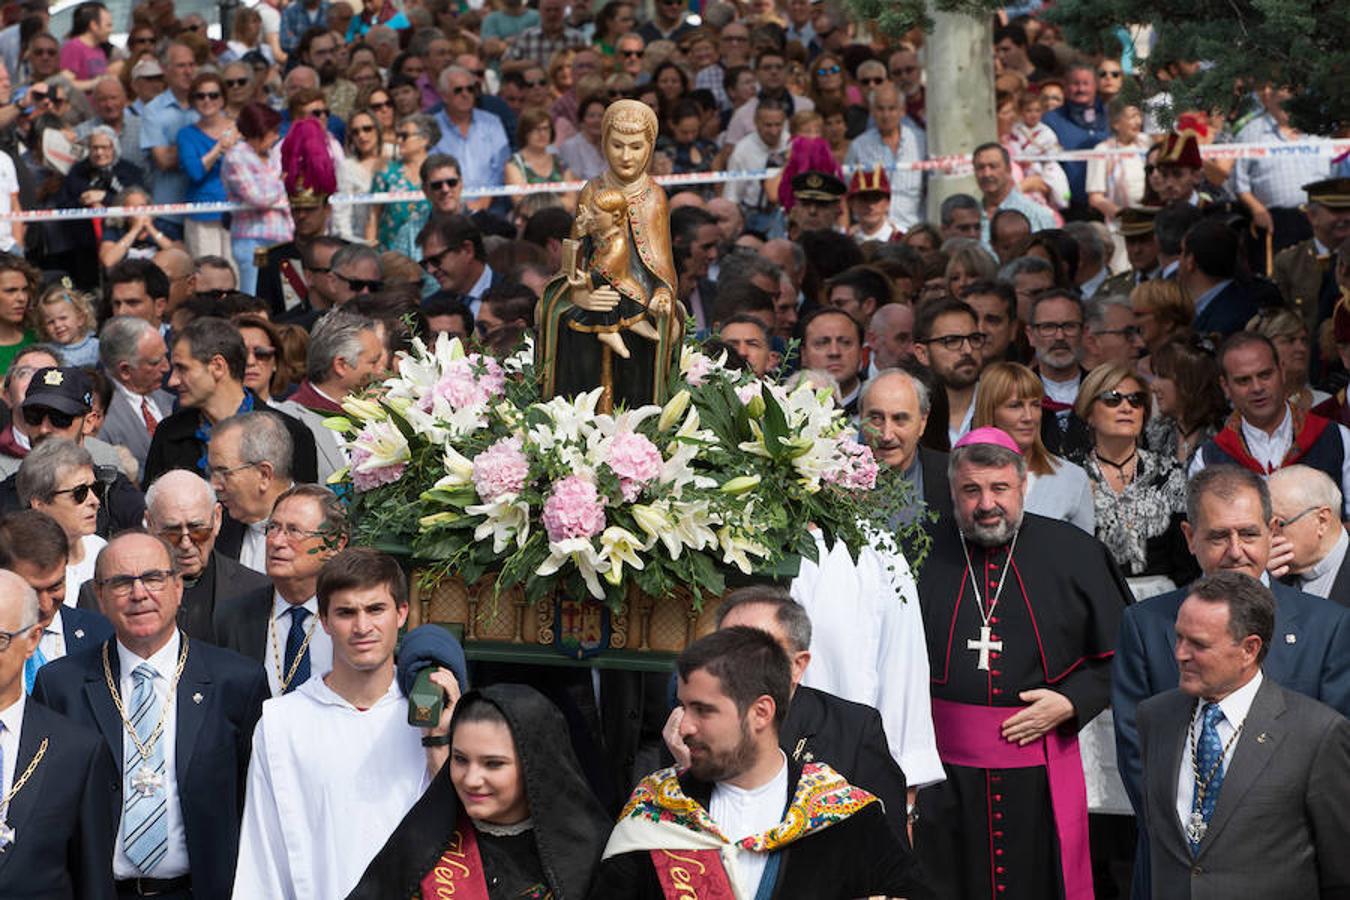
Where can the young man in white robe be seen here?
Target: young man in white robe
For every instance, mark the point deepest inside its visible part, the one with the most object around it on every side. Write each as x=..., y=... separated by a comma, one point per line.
x=335, y=763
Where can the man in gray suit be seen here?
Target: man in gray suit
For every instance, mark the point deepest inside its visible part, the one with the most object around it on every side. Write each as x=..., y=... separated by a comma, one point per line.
x=1246, y=793
x=134, y=358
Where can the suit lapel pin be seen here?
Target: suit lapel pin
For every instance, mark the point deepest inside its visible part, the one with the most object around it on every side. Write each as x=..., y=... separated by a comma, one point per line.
x=1291, y=638
x=197, y=697
x=79, y=632
x=1262, y=738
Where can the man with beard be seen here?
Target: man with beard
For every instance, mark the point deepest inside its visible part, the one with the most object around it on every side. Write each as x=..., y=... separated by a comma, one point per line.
x=318, y=50
x=995, y=304
x=1055, y=332
x=744, y=813
x=1021, y=614
x=947, y=340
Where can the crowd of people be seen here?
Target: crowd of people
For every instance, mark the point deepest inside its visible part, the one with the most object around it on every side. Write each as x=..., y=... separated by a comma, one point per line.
x=1117, y=664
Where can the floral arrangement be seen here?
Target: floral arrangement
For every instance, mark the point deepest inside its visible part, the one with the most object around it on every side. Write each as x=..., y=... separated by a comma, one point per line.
x=457, y=462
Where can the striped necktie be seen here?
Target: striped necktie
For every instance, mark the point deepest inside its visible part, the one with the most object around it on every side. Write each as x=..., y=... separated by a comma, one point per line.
x=145, y=828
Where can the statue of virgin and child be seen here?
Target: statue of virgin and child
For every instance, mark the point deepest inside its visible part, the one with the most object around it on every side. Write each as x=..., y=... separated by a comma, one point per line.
x=611, y=317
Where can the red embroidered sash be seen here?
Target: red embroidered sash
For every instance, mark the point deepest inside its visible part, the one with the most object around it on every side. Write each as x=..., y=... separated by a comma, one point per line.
x=692, y=875
x=458, y=873
x=1307, y=429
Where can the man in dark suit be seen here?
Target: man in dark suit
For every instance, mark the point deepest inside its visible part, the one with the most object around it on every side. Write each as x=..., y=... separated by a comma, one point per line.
x=848, y=737
x=208, y=359
x=1245, y=787
x=1209, y=269
x=1228, y=529
x=179, y=806
x=135, y=359
x=1307, y=507
x=893, y=408
x=55, y=831
x=34, y=546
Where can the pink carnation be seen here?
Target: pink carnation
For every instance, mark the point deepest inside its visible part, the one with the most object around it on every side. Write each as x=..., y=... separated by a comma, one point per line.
x=471, y=381
x=369, y=480
x=635, y=460
x=500, y=469
x=573, y=510
x=856, y=468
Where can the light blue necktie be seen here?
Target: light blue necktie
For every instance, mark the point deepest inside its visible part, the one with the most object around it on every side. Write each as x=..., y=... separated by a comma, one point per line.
x=145, y=828
x=1208, y=760
x=30, y=668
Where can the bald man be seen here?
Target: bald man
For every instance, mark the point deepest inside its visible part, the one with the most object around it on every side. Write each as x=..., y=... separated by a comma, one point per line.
x=894, y=138
x=1307, y=508
x=890, y=336
x=176, y=264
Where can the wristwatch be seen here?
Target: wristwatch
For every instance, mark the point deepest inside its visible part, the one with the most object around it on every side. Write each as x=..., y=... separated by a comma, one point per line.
x=435, y=740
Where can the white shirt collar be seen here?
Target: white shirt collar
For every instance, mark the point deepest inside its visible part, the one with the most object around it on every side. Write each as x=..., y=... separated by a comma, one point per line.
x=1237, y=704
x=12, y=717
x=1269, y=449
x=281, y=607
x=54, y=626
x=164, y=661
x=481, y=286
x=131, y=395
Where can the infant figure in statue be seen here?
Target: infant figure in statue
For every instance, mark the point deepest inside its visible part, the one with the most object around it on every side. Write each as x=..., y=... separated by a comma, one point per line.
x=604, y=224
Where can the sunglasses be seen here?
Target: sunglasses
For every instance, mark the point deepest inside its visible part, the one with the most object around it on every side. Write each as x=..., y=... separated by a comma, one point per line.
x=263, y=354
x=34, y=416
x=361, y=285
x=79, y=493
x=875, y=80
x=236, y=82
x=376, y=107
x=206, y=95
x=143, y=39
x=459, y=89
x=1107, y=73
x=541, y=82
x=1112, y=399
x=828, y=70
x=443, y=184
x=406, y=135
x=199, y=534
x=434, y=262
x=364, y=129
x=632, y=53
x=319, y=113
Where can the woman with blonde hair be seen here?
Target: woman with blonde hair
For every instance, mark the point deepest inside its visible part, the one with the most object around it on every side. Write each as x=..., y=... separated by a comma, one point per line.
x=967, y=262
x=1293, y=348
x=1161, y=309
x=1009, y=397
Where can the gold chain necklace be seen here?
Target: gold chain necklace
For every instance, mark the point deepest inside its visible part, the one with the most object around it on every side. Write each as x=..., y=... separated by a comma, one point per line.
x=146, y=781
x=295, y=663
x=6, y=830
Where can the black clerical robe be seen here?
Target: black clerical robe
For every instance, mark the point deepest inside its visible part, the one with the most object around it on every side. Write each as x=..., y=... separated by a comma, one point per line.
x=990, y=831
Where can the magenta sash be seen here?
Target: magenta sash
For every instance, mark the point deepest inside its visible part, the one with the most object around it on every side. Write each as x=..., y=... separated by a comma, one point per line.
x=972, y=736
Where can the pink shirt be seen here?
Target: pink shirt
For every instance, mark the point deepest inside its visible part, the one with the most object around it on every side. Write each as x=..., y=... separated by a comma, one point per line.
x=85, y=61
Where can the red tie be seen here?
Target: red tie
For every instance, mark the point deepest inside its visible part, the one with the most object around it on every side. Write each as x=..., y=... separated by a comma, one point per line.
x=150, y=421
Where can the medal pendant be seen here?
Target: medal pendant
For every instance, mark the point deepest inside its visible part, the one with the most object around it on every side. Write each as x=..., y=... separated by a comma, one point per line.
x=147, y=782
x=1196, y=828
x=6, y=836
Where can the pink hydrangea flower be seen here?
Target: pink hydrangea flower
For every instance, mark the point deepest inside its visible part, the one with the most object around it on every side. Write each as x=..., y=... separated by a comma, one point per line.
x=471, y=381
x=635, y=460
x=573, y=509
x=500, y=469
x=856, y=468
x=372, y=478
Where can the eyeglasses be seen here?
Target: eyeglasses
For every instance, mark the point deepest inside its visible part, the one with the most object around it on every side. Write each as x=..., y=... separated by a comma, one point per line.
x=460, y=89
x=443, y=184
x=35, y=415
x=1107, y=73
x=197, y=532
x=1284, y=523
x=143, y=39
x=7, y=636
x=121, y=586
x=828, y=70
x=236, y=82
x=220, y=473
x=1049, y=329
x=377, y=107
x=903, y=70
x=632, y=53
x=263, y=354
x=291, y=533
x=434, y=262
x=873, y=81
x=953, y=342
x=206, y=95
x=1112, y=399
x=79, y=493
x=364, y=129
x=542, y=81
x=361, y=285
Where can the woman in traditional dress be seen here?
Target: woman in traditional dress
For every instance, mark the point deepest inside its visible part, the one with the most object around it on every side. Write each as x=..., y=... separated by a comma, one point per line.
x=508, y=816
x=569, y=357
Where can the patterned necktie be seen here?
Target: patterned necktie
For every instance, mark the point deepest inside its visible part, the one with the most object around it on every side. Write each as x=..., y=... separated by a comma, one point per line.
x=1209, y=760
x=294, y=640
x=149, y=416
x=30, y=669
x=145, y=828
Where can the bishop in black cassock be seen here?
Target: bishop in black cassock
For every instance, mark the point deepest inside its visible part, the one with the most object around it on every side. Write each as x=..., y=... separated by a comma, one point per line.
x=1011, y=820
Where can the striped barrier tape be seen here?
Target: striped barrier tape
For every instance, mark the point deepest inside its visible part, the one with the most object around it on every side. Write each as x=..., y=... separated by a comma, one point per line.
x=949, y=164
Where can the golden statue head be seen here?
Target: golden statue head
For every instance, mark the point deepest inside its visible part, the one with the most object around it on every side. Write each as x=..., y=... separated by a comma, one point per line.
x=628, y=137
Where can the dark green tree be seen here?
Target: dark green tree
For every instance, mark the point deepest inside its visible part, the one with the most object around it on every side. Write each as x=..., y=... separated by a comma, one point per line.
x=1297, y=44
x=897, y=17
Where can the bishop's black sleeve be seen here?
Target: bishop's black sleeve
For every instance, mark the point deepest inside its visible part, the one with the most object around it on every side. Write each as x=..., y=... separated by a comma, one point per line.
x=1102, y=588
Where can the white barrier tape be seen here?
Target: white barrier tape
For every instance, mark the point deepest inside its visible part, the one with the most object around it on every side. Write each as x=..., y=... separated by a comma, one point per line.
x=953, y=163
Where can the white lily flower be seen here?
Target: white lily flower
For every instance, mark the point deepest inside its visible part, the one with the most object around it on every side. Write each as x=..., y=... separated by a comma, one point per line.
x=581, y=552
x=458, y=469
x=653, y=521
x=506, y=520
x=691, y=526
x=736, y=550
x=620, y=547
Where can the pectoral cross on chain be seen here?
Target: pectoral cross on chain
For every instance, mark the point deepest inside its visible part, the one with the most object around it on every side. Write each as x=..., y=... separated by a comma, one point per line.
x=984, y=645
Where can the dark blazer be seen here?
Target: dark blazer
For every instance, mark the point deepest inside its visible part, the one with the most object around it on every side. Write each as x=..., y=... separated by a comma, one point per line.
x=1283, y=814
x=218, y=702
x=851, y=739
x=62, y=817
x=1310, y=654
x=223, y=583
x=121, y=425
x=1340, y=587
x=241, y=625
x=937, y=488
x=1228, y=311
x=857, y=857
x=175, y=445
x=83, y=629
